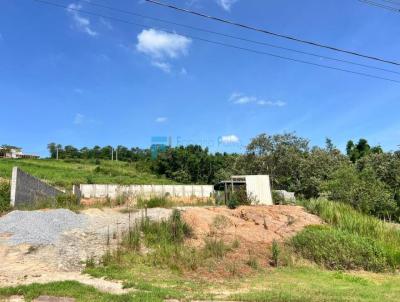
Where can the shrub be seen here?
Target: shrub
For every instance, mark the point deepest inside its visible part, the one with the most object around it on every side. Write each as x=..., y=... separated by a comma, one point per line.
x=239, y=197
x=171, y=231
x=215, y=248
x=337, y=249
x=278, y=198
x=276, y=251
x=362, y=190
x=67, y=200
x=5, y=189
x=345, y=218
x=154, y=202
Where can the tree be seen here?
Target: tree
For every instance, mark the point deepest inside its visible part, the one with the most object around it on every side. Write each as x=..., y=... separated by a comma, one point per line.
x=277, y=155
x=363, y=191
x=355, y=152
x=54, y=148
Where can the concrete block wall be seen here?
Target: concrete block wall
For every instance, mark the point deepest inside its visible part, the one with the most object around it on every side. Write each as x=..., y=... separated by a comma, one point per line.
x=113, y=191
x=27, y=189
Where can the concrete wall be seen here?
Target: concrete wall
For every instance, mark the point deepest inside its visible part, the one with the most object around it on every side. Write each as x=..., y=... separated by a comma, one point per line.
x=113, y=191
x=259, y=187
x=26, y=189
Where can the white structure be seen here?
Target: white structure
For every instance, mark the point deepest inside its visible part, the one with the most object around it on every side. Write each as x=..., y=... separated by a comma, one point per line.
x=14, y=152
x=113, y=191
x=258, y=187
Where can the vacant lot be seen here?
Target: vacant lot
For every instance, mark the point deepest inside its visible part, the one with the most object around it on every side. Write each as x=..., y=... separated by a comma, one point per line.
x=242, y=272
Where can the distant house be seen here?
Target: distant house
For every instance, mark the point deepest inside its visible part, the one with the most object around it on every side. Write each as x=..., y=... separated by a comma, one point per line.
x=14, y=152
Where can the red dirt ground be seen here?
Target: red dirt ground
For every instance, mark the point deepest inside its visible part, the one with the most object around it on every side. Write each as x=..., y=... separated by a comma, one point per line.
x=255, y=227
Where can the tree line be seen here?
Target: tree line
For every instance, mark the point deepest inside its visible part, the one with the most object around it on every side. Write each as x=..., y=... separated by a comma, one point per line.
x=365, y=176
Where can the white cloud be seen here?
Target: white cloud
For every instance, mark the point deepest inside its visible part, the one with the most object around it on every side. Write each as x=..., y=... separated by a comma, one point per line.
x=226, y=4
x=271, y=103
x=164, y=66
x=241, y=99
x=162, y=45
x=80, y=22
x=79, y=119
x=229, y=139
x=78, y=90
x=161, y=119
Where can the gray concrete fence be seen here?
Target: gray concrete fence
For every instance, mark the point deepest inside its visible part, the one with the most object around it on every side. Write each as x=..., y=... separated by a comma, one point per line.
x=26, y=189
x=145, y=191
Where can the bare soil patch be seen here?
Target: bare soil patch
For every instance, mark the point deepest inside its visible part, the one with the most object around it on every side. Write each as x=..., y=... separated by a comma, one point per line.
x=65, y=258
x=254, y=228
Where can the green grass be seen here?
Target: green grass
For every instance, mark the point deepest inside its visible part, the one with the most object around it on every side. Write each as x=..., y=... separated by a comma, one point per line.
x=84, y=293
x=289, y=284
x=353, y=241
x=340, y=250
x=316, y=285
x=346, y=218
x=65, y=173
x=4, y=195
x=154, y=202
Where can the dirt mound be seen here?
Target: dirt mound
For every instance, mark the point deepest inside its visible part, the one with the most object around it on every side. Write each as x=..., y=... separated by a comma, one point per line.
x=249, y=229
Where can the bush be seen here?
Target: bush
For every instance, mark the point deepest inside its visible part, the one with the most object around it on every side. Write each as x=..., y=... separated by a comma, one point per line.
x=172, y=231
x=278, y=198
x=154, y=202
x=360, y=230
x=345, y=218
x=276, y=251
x=239, y=197
x=215, y=248
x=363, y=191
x=5, y=190
x=337, y=249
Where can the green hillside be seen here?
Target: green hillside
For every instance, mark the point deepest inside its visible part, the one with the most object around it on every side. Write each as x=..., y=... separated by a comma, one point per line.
x=65, y=173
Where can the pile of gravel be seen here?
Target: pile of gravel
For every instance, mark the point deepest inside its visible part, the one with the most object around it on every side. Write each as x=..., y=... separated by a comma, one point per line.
x=39, y=227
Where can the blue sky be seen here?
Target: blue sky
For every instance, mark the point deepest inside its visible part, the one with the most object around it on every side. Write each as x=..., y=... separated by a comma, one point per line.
x=77, y=79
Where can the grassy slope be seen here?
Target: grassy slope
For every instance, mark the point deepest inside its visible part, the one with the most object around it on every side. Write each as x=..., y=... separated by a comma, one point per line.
x=279, y=285
x=65, y=174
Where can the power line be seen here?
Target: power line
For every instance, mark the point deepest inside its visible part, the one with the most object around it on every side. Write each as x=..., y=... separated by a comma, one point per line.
x=89, y=2
x=380, y=5
x=391, y=1
x=220, y=43
x=272, y=33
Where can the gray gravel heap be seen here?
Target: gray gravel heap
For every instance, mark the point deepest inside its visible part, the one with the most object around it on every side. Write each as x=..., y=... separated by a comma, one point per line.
x=39, y=227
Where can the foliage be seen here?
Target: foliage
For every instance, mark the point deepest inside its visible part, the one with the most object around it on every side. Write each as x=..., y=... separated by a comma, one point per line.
x=215, y=248
x=239, y=197
x=5, y=189
x=278, y=198
x=154, y=202
x=344, y=217
x=340, y=250
x=363, y=190
x=193, y=164
x=276, y=251
x=290, y=162
x=365, y=241
x=106, y=153
x=361, y=149
x=386, y=168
